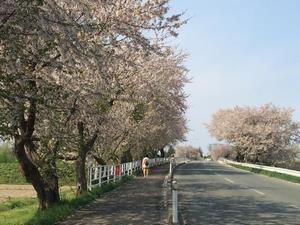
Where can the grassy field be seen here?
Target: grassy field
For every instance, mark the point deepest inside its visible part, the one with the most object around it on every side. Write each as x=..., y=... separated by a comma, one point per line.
x=17, y=211
x=11, y=174
x=13, y=191
x=269, y=173
x=6, y=155
x=17, y=204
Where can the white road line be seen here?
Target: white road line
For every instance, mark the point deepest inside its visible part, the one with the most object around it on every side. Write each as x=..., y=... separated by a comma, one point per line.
x=217, y=174
x=231, y=181
x=256, y=191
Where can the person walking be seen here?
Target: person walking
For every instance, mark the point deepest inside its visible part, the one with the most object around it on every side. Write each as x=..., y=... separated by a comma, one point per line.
x=145, y=166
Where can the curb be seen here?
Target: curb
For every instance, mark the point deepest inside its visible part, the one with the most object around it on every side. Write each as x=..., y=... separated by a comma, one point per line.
x=167, y=198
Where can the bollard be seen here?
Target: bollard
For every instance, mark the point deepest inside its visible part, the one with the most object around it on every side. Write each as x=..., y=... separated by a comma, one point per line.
x=170, y=170
x=175, y=202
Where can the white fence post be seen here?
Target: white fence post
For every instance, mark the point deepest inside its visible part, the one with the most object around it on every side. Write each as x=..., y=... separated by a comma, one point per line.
x=100, y=175
x=97, y=175
x=107, y=174
x=90, y=178
x=114, y=172
x=175, y=202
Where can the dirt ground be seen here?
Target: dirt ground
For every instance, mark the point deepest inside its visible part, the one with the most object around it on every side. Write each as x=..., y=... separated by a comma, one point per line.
x=16, y=191
x=19, y=191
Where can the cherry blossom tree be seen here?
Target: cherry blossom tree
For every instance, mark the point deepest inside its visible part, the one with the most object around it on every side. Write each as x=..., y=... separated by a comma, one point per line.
x=258, y=134
x=58, y=75
x=217, y=151
x=188, y=151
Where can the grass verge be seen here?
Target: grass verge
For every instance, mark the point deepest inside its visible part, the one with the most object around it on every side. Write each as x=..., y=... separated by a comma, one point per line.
x=25, y=211
x=269, y=173
x=11, y=173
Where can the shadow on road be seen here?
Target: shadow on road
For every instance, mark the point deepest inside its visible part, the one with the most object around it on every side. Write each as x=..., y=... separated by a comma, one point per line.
x=138, y=202
x=206, y=198
x=237, y=210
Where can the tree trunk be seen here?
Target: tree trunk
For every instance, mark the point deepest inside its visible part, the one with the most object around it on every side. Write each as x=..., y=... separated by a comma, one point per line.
x=24, y=146
x=162, y=153
x=83, y=149
x=99, y=160
x=46, y=196
x=52, y=188
x=81, y=175
x=52, y=192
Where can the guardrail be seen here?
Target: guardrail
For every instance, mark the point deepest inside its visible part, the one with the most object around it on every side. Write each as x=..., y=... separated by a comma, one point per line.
x=268, y=168
x=102, y=174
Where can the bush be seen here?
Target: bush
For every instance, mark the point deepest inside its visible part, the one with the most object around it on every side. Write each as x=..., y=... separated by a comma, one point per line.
x=11, y=174
x=6, y=155
x=290, y=165
x=66, y=173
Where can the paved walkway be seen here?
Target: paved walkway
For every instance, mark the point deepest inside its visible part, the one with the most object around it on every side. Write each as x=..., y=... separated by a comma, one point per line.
x=137, y=202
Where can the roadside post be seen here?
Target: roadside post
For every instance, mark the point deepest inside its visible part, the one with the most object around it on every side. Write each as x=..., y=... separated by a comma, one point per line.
x=172, y=163
x=175, y=202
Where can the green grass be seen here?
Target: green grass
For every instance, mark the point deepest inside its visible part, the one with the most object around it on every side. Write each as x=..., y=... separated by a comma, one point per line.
x=25, y=211
x=269, y=173
x=6, y=155
x=11, y=174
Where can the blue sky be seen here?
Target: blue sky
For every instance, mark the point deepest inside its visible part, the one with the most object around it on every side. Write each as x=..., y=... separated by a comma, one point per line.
x=241, y=52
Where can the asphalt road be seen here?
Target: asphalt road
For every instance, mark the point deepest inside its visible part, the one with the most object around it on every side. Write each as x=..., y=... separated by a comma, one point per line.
x=211, y=193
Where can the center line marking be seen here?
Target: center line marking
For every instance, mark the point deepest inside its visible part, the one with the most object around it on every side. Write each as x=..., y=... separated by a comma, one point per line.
x=256, y=191
x=231, y=181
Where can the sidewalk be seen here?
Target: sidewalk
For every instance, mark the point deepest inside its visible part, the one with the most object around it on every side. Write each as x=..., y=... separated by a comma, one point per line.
x=138, y=202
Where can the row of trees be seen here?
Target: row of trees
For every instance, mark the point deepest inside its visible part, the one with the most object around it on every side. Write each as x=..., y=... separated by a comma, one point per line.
x=81, y=78
x=188, y=152
x=216, y=151
x=265, y=134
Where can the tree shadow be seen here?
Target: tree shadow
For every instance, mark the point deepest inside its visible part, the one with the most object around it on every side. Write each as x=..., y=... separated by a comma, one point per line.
x=210, y=201
x=236, y=210
x=138, y=202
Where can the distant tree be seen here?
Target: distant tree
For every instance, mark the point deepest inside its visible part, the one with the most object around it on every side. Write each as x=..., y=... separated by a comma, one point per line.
x=217, y=151
x=263, y=134
x=187, y=151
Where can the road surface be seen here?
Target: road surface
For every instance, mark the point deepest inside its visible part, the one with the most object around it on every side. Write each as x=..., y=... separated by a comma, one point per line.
x=137, y=202
x=211, y=193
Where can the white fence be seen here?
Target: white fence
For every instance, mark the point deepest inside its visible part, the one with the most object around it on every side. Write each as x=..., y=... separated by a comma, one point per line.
x=268, y=168
x=101, y=174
